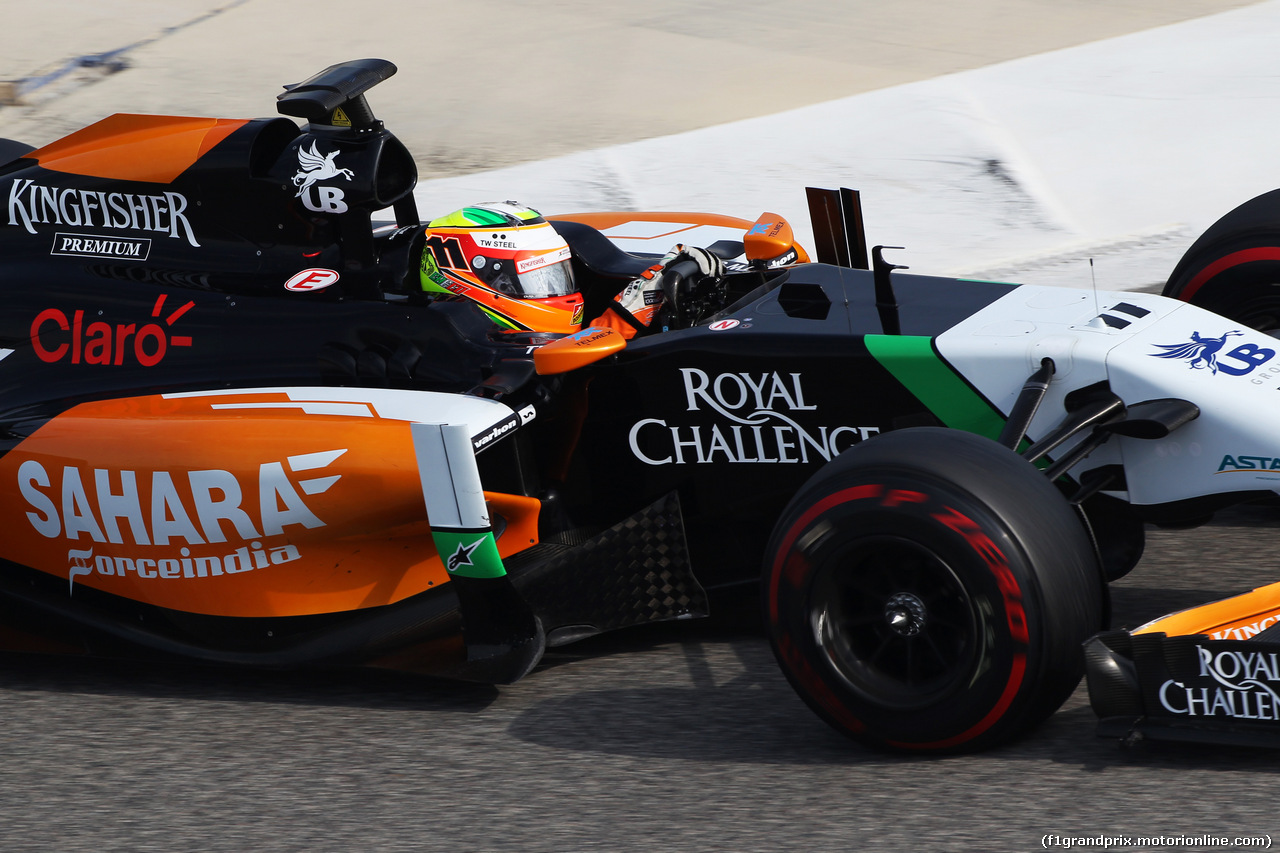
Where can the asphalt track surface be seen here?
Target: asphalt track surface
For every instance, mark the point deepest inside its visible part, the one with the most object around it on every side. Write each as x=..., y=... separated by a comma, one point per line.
x=674, y=737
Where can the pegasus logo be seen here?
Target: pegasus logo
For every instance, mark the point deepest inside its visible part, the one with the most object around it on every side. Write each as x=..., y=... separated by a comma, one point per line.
x=314, y=167
x=1202, y=352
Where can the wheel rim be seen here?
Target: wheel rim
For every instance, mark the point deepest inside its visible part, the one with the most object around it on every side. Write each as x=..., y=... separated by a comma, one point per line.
x=1246, y=296
x=1262, y=315
x=895, y=623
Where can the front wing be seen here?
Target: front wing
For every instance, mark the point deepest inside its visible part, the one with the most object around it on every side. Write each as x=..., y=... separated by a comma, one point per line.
x=1210, y=674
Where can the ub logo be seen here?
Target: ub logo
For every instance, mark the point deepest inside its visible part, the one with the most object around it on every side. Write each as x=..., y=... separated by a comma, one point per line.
x=314, y=167
x=1202, y=351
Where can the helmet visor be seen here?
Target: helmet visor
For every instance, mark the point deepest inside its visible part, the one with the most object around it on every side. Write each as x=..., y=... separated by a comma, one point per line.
x=551, y=280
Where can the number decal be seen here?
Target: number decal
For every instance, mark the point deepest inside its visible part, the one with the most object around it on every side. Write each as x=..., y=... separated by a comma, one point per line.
x=447, y=252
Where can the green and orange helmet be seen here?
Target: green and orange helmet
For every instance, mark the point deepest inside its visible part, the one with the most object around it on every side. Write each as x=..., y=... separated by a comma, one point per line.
x=509, y=261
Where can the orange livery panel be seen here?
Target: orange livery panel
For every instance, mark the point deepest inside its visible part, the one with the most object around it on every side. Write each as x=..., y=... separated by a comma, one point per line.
x=1237, y=618
x=125, y=147
x=219, y=508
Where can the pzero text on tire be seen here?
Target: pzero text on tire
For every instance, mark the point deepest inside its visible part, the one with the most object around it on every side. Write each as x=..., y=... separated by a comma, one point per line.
x=929, y=590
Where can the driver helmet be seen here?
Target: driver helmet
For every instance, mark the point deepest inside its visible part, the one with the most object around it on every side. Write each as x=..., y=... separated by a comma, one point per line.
x=509, y=261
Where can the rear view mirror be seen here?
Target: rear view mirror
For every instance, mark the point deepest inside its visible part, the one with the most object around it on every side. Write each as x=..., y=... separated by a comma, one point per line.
x=577, y=350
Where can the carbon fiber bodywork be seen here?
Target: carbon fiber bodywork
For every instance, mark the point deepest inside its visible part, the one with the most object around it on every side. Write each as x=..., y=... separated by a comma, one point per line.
x=635, y=572
x=1192, y=688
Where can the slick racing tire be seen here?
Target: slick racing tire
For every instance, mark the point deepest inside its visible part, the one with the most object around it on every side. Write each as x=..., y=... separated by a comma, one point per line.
x=1233, y=269
x=929, y=591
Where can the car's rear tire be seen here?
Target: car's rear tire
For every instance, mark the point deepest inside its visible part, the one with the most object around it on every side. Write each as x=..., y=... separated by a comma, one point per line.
x=929, y=590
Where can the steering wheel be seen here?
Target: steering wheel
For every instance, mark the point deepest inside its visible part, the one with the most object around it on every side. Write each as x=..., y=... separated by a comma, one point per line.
x=690, y=295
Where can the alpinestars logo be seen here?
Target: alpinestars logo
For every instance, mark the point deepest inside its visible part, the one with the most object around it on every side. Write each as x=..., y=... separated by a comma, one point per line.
x=462, y=556
x=314, y=167
x=1202, y=352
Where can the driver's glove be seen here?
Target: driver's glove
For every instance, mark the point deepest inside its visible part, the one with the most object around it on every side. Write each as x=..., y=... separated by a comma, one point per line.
x=640, y=300
x=708, y=264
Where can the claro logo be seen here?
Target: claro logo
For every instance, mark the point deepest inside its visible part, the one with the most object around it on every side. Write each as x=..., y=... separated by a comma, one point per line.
x=57, y=337
x=150, y=508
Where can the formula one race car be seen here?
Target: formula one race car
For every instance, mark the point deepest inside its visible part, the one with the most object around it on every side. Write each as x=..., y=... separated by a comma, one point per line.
x=1210, y=673
x=245, y=423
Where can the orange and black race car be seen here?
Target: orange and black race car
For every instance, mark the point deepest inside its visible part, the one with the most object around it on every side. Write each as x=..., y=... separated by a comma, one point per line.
x=244, y=422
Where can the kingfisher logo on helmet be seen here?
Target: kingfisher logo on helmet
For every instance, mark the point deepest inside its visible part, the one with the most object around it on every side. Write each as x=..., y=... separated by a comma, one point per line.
x=508, y=260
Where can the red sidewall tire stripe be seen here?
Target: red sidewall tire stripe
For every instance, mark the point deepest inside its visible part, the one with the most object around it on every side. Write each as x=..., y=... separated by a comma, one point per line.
x=1018, y=664
x=854, y=493
x=1017, y=669
x=1226, y=262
